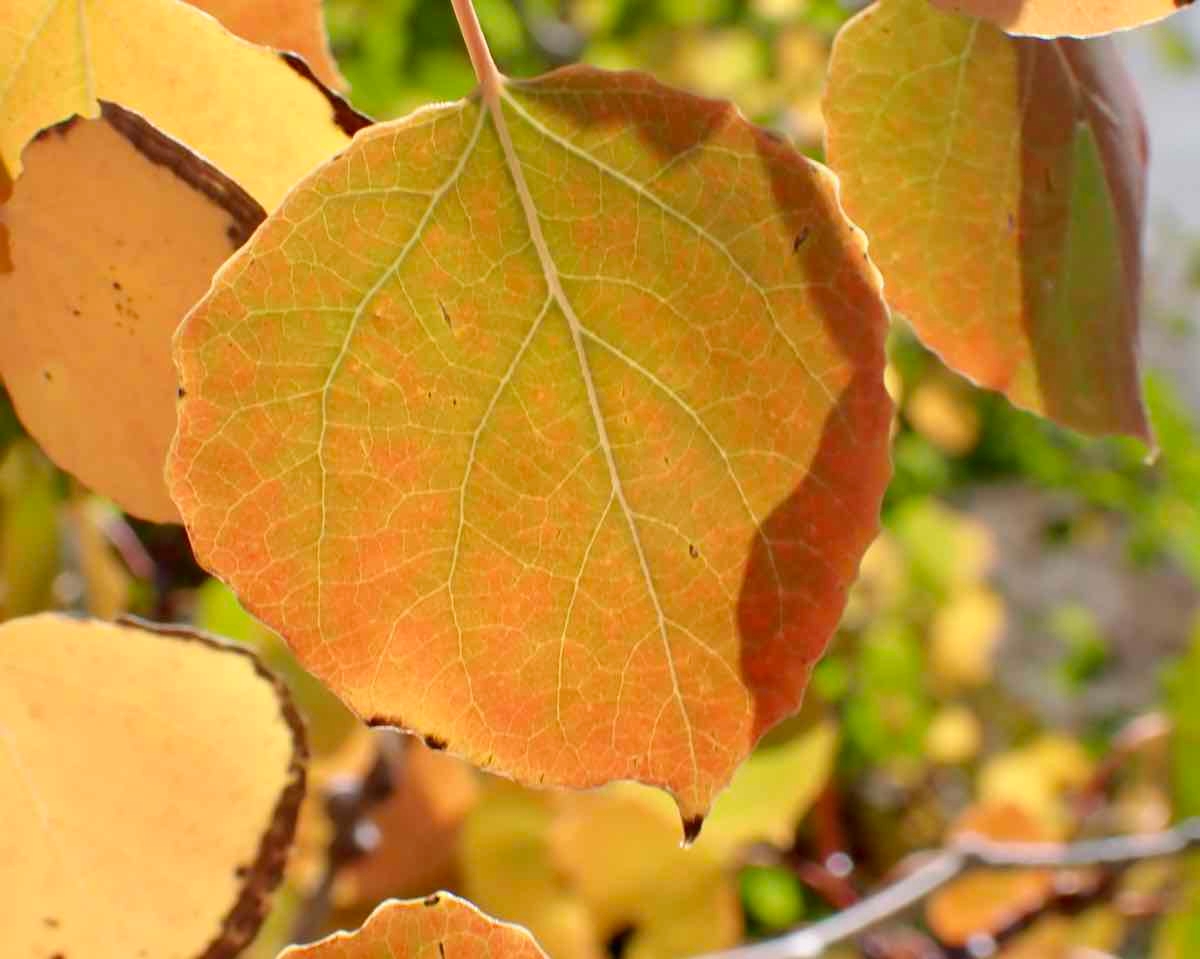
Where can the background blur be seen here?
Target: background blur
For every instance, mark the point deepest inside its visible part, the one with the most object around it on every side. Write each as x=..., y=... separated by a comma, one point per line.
x=1021, y=654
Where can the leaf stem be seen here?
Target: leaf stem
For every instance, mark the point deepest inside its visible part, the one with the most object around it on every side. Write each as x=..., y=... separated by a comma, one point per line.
x=486, y=71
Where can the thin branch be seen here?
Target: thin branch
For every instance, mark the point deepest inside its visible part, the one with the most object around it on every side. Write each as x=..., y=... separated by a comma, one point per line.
x=349, y=803
x=971, y=852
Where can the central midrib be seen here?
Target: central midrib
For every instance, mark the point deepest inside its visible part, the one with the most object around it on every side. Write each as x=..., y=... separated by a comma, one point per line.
x=554, y=284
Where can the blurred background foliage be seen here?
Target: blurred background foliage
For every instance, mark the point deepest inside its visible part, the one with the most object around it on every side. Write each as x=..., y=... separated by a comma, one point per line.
x=1021, y=655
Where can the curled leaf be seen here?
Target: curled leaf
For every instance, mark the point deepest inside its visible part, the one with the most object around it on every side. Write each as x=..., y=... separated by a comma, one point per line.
x=1001, y=182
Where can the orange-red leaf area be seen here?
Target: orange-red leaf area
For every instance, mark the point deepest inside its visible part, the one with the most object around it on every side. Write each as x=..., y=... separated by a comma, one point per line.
x=576, y=536
x=441, y=926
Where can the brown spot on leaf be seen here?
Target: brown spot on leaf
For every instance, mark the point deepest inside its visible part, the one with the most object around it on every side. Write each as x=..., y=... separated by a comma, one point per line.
x=435, y=742
x=432, y=900
x=800, y=240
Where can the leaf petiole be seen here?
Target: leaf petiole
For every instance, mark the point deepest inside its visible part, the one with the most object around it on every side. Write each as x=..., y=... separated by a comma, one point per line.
x=481, y=57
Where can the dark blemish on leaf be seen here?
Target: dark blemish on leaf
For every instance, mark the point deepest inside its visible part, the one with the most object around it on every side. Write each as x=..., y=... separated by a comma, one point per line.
x=445, y=315
x=692, y=551
x=435, y=742
x=245, y=212
x=432, y=900
x=241, y=872
x=800, y=240
x=52, y=922
x=441, y=949
x=47, y=376
x=75, y=312
x=116, y=286
x=347, y=119
x=691, y=829
x=618, y=943
x=181, y=392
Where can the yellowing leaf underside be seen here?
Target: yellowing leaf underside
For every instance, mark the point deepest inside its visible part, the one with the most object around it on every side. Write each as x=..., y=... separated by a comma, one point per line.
x=956, y=145
x=531, y=486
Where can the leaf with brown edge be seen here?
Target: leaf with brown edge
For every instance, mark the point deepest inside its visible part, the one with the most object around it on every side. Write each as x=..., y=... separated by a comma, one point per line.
x=1065, y=18
x=294, y=25
x=1001, y=182
x=159, y=768
x=114, y=232
x=562, y=456
x=440, y=926
x=988, y=901
x=240, y=106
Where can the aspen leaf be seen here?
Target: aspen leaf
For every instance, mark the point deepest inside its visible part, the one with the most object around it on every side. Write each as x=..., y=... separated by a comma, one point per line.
x=555, y=435
x=1072, y=18
x=989, y=900
x=294, y=25
x=149, y=785
x=1001, y=182
x=114, y=231
x=440, y=926
x=242, y=107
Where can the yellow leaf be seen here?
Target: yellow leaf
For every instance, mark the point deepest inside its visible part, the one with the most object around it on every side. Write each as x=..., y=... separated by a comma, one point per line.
x=241, y=107
x=1054, y=18
x=440, y=926
x=114, y=232
x=1036, y=779
x=943, y=413
x=149, y=786
x=294, y=25
x=963, y=638
x=954, y=735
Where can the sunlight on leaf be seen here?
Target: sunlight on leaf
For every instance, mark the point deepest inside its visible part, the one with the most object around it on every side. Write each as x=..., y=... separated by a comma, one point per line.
x=441, y=926
x=239, y=106
x=294, y=25
x=117, y=744
x=114, y=232
x=571, y=476
x=1001, y=182
x=1071, y=18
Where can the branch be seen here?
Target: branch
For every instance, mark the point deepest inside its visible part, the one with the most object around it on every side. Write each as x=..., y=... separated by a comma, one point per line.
x=349, y=803
x=971, y=852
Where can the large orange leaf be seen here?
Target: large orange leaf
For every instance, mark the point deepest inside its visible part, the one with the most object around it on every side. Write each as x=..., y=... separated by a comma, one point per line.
x=243, y=108
x=112, y=233
x=553, y=430
x=439, y=927
x=294, y=25
x=149, y=787
x=1071, y=18
x=1001, y=182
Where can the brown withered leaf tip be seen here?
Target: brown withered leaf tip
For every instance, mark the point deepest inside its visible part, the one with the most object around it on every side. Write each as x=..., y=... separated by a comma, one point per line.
x=263, y=875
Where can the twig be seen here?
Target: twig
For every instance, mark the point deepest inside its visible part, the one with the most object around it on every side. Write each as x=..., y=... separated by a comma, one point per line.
x=349, y=803
x=971, y=852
